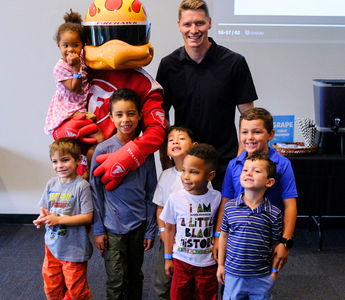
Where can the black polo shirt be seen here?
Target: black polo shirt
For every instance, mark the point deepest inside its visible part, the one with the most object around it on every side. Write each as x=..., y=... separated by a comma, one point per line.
x=205, y=95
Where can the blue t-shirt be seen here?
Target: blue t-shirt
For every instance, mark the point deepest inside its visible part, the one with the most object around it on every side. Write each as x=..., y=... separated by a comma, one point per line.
x=283, y=188
x=130, y=204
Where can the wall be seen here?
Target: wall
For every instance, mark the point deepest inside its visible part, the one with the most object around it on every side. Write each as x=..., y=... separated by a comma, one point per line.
x=282, y=75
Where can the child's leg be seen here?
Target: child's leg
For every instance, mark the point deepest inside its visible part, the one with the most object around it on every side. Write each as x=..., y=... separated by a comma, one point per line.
x=54, y=285
x=162, y=280
x=182, y=284
x=116, y=265
x=206, y=284
x=136, y=255
x=261, y=288
x=76, y=280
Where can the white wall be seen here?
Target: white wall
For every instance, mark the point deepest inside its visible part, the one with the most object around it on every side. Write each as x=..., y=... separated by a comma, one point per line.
x=282, y=75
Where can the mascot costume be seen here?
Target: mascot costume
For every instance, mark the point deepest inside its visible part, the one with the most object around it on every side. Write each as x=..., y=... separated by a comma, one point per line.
x=118, y=47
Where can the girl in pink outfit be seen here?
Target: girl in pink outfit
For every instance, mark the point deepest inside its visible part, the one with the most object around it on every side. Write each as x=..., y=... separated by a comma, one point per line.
x=71, y=78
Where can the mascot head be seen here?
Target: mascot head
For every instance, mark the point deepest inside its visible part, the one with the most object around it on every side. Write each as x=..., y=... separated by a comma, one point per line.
x=118, y=33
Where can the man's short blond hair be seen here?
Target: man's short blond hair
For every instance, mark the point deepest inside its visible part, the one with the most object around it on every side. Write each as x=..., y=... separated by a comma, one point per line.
x=193, y=5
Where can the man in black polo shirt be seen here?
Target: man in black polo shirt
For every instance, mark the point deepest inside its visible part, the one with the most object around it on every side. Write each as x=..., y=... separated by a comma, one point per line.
x=204, y=82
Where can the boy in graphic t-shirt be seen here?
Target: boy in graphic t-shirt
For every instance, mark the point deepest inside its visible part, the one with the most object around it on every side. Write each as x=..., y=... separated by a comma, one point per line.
x=189, y=220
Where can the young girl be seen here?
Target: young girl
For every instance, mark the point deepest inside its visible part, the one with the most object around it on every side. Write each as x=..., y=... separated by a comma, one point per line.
x=70, y=72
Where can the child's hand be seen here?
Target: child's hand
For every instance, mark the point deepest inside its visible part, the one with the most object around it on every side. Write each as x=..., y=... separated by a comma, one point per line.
x=39, y=222
x=215, y=248
x=50, y=219
x=148, y=244
x=221, y=274
x=101, y=242
x=169, y=267
x=73, y=60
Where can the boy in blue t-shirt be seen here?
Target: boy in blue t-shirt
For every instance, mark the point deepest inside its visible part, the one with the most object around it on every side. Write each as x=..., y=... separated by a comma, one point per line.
x=251, y=227
x=124, y=220
x=256, y=130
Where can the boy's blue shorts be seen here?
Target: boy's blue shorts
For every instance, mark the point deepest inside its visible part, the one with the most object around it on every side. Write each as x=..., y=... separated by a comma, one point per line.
x=241, y=288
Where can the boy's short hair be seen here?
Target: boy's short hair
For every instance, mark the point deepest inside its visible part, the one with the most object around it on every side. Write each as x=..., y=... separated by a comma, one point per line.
x=271, y=167
x=126, y=95
x=258, y=113
x=205, y=152
x=66, y=145
x=180, y=128
x=193, y=5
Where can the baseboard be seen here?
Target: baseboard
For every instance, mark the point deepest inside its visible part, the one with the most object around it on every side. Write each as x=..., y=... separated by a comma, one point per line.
x=17, y=218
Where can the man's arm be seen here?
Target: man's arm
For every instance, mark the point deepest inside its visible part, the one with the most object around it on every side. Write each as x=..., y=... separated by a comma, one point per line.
x=242, y=108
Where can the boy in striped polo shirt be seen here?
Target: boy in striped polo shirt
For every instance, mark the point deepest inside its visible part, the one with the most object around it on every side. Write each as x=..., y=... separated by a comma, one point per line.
x=251, y=229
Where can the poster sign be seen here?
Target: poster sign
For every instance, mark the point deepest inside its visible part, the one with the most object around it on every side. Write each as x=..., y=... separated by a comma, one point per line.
x=284, y=129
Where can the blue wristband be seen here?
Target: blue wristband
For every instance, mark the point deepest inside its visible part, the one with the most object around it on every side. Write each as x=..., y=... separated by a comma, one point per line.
x=161, y=229
x=216, y=234
x=76, y=75
x=167, y=256
x=274, y=270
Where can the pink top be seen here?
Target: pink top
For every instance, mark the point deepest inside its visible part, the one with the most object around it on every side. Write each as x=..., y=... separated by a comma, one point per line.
x=65, y=103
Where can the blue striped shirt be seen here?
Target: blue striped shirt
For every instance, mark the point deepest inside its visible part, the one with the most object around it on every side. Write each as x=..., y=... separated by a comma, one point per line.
x=250, y=234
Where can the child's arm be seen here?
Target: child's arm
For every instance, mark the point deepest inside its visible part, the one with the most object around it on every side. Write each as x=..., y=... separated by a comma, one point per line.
x=170, y=231
x=217, y=229
x=150, y=187
x=74, y=85
x=274, y=260
x=99, y=232
x=281, y=253
x=223, y=238
x=52, y=220
x=161, y=224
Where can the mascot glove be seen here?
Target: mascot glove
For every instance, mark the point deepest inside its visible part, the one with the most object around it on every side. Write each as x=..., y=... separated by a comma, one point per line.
x=115, y=166
x=78, y=127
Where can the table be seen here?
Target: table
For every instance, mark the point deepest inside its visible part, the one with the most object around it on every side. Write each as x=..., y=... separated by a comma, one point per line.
x=320, y=181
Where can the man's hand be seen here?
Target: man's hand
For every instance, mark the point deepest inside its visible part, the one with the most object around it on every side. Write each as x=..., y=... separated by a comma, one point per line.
x=101, y=242
x=169, y=267
x=148, y=244
x=115, y=166
x=279, y=256
x=78, y=127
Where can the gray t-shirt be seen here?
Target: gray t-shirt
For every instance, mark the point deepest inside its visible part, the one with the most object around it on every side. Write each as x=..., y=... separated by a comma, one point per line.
x=69, y=243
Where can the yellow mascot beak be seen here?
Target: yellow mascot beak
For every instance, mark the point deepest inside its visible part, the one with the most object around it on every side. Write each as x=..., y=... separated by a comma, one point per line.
x=117, y=55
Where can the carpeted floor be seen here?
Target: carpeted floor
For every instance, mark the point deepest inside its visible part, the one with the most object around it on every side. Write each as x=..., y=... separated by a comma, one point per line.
x=309, y=273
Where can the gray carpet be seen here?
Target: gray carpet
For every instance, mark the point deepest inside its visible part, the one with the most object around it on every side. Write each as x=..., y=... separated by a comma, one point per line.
x=308, y=274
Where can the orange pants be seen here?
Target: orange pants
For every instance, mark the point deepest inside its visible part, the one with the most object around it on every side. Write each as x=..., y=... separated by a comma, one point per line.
x=60, y=276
